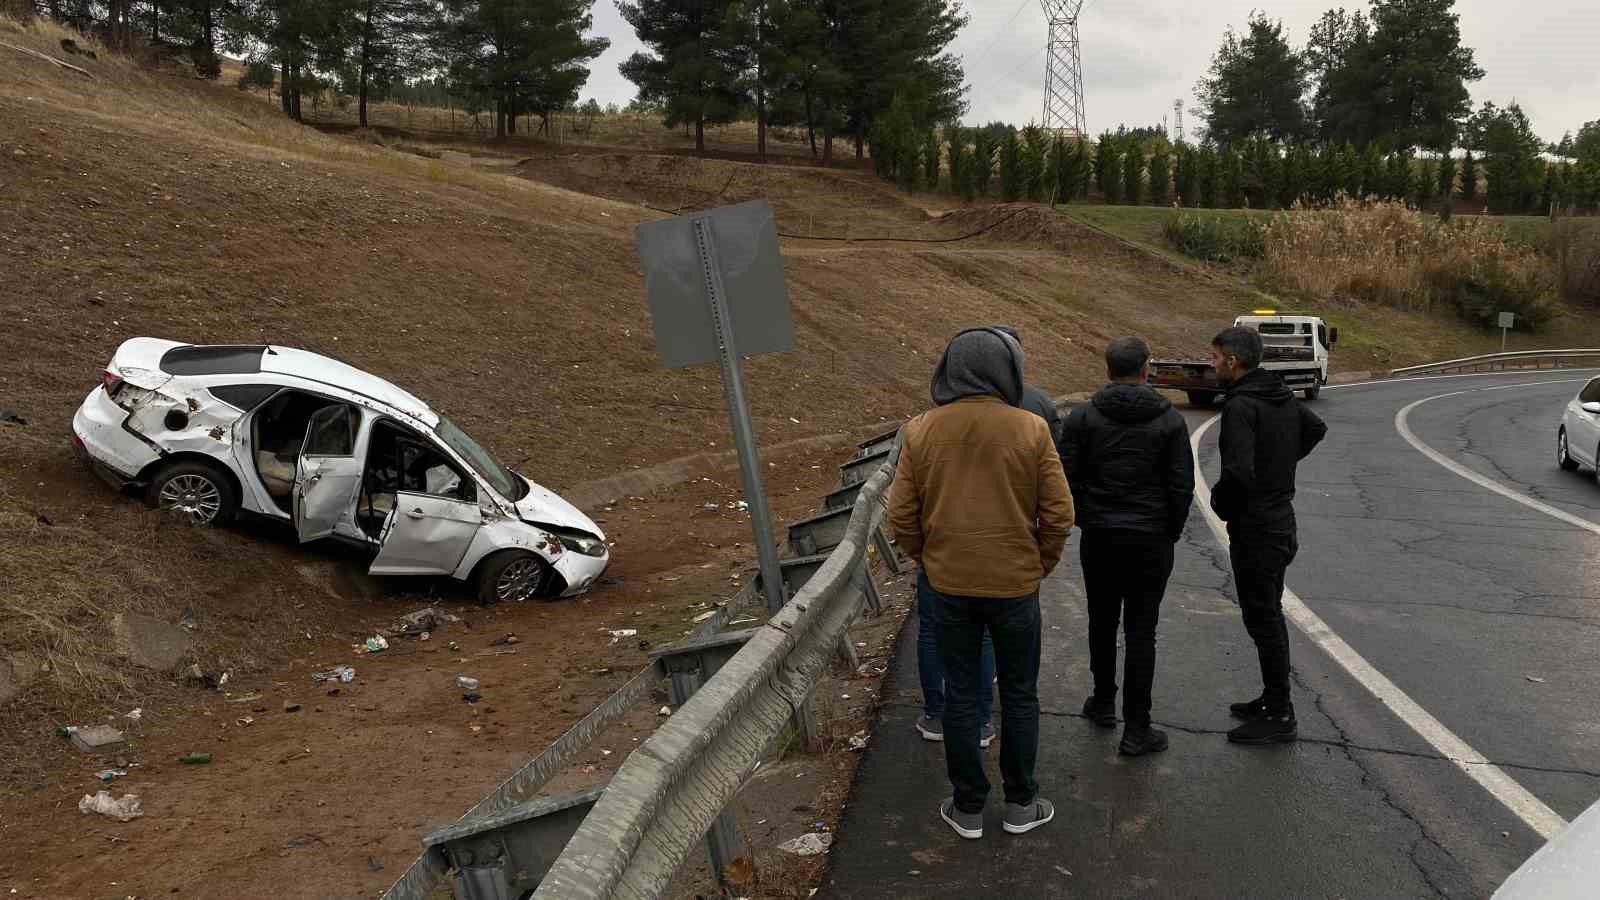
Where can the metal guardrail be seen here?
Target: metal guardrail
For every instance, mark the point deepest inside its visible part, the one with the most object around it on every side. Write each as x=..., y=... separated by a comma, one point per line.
x=669, y=792
x=1493, y=362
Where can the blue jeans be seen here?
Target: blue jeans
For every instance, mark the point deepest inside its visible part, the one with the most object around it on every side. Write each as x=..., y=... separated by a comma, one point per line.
x=931, y=671
x=1014, y=626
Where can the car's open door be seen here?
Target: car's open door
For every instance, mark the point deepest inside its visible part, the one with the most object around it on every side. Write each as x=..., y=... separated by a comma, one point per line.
x=426, y=535
x=328, y=473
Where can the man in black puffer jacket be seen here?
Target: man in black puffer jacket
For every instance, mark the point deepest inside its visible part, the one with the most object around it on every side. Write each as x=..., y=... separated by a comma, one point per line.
x=1131, y=471
x=1265, y=434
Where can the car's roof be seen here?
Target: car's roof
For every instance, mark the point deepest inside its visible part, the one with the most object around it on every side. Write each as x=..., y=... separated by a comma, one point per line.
x=326, y=370
x=247, y=360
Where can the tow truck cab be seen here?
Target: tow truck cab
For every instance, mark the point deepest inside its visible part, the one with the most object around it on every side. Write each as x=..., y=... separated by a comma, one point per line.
x=1296, y=347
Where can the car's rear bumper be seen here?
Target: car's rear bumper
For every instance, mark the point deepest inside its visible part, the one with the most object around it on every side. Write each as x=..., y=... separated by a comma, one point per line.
x=100, y=440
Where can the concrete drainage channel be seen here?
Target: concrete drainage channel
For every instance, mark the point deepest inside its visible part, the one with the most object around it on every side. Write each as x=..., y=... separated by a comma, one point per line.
x=737, y=694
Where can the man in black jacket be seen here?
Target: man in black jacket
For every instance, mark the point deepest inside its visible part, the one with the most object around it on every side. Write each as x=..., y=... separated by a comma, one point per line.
x=1265, y=434
x=1131, y=471
x=1037, y=401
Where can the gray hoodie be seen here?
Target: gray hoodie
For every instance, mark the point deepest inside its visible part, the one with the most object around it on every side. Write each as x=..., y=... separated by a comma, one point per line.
x=979, y=361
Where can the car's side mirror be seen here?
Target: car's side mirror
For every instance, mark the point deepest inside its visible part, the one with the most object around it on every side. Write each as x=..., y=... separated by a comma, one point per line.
x=1333, y=336
x=1592, y=408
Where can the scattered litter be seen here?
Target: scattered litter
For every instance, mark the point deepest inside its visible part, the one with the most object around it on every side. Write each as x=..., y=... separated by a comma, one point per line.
x=858, y=741
x=618, y=634
x=665, y=711
x=135, y=715
x=1063, y=870
x=290, y=706
x=497, y=642
x=376, y=644
x=605, y=752
x=124, y=810
x=475, y=728
x=861, y=643
x=704, y=616
x=454, y=646
x=472, y=696
x=1534, y=679
x=844, y=696
x=811, y=844
x=745, y=620
x=421, y=622
x=741, y=504
x=195, y=759
x=11, y=416
x=587, y=770
x=466, y=684
x=109, y=774
x=244, y=721
x=794, y=420
x=95, y=738
x=245, y=699
x=345, y=674
x=710, y=507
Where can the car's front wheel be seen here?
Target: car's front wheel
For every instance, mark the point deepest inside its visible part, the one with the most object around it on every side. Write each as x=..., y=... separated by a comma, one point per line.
x=194, y=493
x=1563, y=453
x=511, y=575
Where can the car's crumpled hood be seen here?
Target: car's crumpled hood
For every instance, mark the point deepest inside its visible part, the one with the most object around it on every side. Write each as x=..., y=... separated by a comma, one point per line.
x=544, y=506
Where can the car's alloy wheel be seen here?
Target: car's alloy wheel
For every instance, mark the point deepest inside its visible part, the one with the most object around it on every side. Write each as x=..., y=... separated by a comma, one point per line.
x=520, y=580
x=1563, y=454
x=194, y=498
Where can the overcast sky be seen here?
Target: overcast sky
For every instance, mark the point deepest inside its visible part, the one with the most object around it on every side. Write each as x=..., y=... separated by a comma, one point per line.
x=1140, y=56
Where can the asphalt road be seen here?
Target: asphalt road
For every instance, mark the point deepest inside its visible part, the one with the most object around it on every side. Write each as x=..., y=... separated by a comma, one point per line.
x=1481, y=610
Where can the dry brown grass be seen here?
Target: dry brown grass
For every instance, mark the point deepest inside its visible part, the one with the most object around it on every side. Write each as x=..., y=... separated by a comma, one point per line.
x=1391, y=254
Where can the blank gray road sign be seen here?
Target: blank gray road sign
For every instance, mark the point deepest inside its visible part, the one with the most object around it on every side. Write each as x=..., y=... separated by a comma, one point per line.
x=1508, y=320
x=752, y=278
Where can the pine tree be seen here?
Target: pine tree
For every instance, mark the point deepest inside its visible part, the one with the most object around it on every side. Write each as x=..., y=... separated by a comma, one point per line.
x=1105, y=151
x=696, y=62
x=1397, y=178
x=1350, y=172
x=1209, y=177
x=930, y=160
x=1160, y=172
x=1189, y=187
x=1079, y=170
x=1427, y=184
x=1230, y=178
x=1055, y=167
x=1372, y=173
x=1447, y=175
x=1469, y=178
x=1132, y=172
x=1012, y=185
x=982, y=160
x=1548, y=191
x=960, y=162
x=1035, y=152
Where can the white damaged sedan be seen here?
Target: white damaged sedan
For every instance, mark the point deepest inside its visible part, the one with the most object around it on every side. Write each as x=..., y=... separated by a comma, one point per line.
x=207, y=431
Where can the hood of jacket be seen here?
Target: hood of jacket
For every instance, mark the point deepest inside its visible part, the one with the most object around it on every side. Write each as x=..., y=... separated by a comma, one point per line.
x=1262, y=385
x=1130, y=403
x=979, y=362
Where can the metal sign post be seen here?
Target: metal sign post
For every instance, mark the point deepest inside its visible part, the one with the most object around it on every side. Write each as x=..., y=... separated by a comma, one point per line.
x=716, y=291
x=1507, y=322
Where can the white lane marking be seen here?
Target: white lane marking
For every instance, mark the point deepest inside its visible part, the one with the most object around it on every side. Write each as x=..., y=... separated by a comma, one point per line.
x=1402, y=425
x=1508, y=372
x=1530, y=809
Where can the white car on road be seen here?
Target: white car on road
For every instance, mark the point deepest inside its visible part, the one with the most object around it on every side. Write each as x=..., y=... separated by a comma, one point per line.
x=208, y=431
x=1578, y=439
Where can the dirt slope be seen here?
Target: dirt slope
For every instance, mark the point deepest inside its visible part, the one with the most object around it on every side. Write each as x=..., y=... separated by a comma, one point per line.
x=137, y=203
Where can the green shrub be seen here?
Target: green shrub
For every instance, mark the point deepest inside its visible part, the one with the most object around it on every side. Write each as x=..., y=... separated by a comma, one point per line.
x=1215, y=239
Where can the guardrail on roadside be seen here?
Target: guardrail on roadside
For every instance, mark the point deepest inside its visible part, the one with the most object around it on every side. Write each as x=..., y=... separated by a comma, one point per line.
x=669, y=792
x=1493, y=362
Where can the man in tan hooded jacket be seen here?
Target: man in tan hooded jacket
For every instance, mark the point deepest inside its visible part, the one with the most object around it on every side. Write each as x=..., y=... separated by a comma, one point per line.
x=980, y=500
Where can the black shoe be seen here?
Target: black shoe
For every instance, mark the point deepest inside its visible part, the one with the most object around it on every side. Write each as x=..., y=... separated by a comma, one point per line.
x=1138, y=741
x=1100, y=712
x=1253, y=709
x=1269, y=729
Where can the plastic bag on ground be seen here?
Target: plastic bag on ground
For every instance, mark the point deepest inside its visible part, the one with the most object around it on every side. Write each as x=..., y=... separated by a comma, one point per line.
x=123, y=810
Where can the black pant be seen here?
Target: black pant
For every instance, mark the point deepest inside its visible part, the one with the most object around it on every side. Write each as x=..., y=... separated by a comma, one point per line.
x=1014, y=625
x=1260, y=557
x=1125, y=575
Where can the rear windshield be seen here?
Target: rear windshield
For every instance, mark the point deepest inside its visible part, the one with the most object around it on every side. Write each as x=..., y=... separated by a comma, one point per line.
x=213, y=360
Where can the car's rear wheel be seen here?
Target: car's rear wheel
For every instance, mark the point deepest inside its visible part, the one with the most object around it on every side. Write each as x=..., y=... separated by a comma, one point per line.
x=194, y=493
x=1563, y=453
x=512, y=575
x=1202, y=398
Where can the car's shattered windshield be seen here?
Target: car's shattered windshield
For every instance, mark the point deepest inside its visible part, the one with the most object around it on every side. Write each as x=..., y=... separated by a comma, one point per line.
x=502, y=479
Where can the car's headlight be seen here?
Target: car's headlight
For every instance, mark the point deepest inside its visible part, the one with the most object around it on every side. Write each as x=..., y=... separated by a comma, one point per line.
x=588, y=545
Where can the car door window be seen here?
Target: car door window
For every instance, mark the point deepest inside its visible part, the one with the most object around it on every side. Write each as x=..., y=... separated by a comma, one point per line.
x=243, y=397
x=1591, y=392
x=332, y=432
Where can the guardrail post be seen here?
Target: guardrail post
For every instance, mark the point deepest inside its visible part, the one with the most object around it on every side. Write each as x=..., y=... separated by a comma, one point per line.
x=690, y=664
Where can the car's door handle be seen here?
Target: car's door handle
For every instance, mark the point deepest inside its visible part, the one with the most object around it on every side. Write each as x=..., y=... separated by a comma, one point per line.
x=417, y=513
